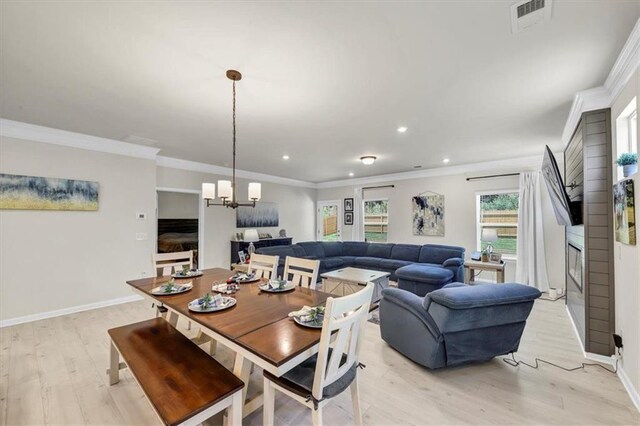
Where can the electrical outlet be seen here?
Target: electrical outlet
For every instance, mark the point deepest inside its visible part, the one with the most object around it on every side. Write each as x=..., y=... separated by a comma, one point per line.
x=141, y=236
x=143, y=274
x=141, y=215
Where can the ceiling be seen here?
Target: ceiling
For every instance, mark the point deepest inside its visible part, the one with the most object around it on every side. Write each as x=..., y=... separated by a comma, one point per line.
x=324, y=83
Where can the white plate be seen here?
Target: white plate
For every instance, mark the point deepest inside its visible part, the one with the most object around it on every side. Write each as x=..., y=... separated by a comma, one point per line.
x=228, y=302
x=287, y=287
x=310, y=324
x=190, y=274
x=158, y=291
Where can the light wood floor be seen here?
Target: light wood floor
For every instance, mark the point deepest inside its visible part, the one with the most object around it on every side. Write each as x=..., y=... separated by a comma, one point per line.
x=53, y=372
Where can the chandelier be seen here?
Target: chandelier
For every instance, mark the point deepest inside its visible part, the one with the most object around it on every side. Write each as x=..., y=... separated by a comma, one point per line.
x=227, y=188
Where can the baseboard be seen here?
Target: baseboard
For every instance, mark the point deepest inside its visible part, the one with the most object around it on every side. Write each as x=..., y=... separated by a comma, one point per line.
x=633, y=392
x=70, y=310
x=622, y=375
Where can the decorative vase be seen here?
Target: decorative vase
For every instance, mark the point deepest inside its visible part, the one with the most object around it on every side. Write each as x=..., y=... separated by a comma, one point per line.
x=485, y=257
x=629, y=169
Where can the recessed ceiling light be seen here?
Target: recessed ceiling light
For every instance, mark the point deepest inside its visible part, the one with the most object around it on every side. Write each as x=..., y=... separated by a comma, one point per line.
x=445, y=160
x=285, y=157
x=402, y=129
x=350, y=174
x=368, y=159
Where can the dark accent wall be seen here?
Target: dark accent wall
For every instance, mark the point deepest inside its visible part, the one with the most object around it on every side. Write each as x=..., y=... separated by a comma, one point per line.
x=588, y=162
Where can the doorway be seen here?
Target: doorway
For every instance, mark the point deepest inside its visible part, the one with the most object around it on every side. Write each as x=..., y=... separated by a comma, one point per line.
x=179, y=227
x=329, y=224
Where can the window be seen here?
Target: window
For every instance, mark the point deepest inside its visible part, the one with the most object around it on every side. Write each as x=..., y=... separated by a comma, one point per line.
x=633, y=132
x=376, y=220
x=627, y=132
x=499, y=211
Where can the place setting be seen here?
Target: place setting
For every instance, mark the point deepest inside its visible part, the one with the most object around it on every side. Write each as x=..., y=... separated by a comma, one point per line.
x=187, y=272
x=310, y=317
x=170, y=288
x=211, y=303
x=243, y=278
x=277, y=286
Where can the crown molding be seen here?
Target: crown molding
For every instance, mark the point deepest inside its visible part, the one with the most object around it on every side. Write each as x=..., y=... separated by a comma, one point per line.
x=32, y=132
x=195, y=166
x=603, y=96
x=494, y=166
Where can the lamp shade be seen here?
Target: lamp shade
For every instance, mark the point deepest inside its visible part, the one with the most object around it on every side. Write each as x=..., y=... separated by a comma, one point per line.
x=255, y=191
x=489, y=235
x=224, y=188
x=251, y=235
x=209, y=191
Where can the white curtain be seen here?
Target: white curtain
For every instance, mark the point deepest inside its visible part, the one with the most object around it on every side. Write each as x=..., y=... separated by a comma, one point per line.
x=358, y=216
x=531, y=266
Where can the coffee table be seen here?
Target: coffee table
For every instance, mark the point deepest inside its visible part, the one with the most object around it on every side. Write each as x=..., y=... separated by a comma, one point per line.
x=349, y=280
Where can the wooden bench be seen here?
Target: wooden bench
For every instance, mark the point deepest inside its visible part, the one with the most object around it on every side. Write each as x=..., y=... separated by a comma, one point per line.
x=184, y=385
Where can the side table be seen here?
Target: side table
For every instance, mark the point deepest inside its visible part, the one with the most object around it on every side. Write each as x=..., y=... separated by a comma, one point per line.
x=471, y=266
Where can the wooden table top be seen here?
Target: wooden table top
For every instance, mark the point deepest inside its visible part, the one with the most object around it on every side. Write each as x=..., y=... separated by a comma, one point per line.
x=355, y=275
x=483, y=265
x=259, y=321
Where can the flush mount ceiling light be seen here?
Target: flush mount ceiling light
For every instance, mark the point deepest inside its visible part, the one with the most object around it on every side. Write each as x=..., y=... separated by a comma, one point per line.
x=402, y=129
x=445, y=160
x=227, y=188
x=285, y=157
x=368, y=159
x=351, y=174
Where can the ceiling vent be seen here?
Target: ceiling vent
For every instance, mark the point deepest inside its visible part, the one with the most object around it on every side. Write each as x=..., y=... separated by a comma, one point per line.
x=527, y=13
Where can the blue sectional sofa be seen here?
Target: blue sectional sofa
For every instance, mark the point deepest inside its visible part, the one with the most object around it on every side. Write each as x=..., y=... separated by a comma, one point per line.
x=456, y=324
x=435, y=265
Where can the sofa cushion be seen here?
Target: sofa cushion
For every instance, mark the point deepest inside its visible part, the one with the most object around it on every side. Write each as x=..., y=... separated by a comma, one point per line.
x=354, y=248
x=331, y=263
x=371, y=262
x=349, y=260
x=433, y=253
x=332, y=248
x=410, y=252
x=393, y=263
x=425, y=274
x=298, y=251
x=313, y=248
x=380, y=250
x=477, y=296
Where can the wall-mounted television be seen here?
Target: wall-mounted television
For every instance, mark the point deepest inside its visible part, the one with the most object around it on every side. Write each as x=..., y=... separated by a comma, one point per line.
x=568, y=213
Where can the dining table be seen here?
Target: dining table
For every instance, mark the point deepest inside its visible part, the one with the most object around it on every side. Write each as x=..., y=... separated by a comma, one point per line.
x=257, y=328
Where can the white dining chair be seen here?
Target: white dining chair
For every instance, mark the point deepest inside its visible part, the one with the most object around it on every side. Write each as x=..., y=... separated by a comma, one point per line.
x=168, y=263
x=263, y=266
x=316, y=381
x=301, y=272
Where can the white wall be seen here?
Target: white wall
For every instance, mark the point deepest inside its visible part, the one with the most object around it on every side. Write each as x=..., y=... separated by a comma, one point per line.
x=52, y=260
x=627, y=262
x=460, y=215
x=177, y=205
x=296, y=209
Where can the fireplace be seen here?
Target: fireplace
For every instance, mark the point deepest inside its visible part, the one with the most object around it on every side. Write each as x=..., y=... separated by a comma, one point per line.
x=575, y=264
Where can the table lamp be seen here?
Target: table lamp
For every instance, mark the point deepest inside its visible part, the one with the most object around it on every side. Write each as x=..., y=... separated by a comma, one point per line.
x=489, y=236
x=250, y=236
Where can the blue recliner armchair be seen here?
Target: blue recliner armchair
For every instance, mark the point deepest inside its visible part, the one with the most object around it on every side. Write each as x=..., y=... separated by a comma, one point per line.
x=456, y=324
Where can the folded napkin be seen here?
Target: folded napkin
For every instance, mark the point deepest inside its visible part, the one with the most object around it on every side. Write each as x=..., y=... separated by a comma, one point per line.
x=276, y=284
x=308, y=313
x=220, y=288
x=209, y=301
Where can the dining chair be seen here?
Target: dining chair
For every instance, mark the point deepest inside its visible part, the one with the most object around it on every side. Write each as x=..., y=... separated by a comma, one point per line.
x=316, y=381
x=303, y=272
x=263, y=266
x=168, y=263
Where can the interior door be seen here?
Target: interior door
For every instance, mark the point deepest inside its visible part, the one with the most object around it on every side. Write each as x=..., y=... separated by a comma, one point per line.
x=329, y=223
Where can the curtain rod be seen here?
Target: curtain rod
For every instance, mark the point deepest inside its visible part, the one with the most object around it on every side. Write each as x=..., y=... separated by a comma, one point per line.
x=493, y=176
x=378, y=187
